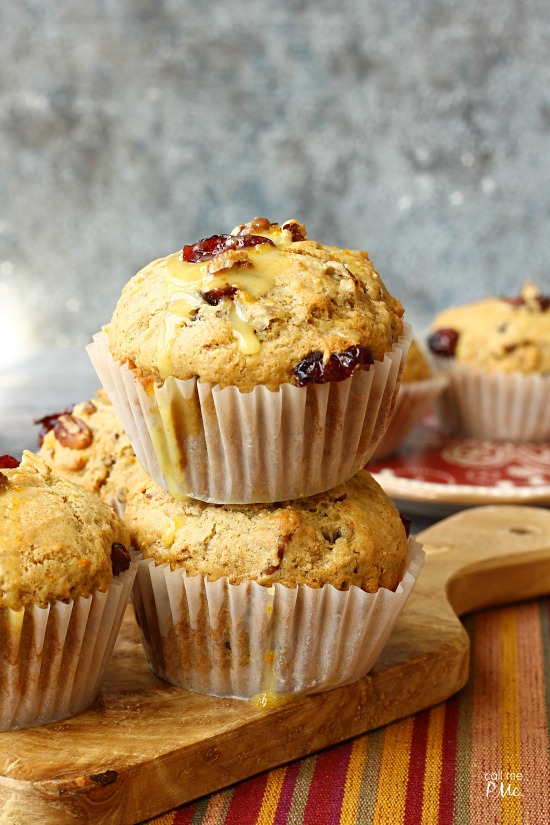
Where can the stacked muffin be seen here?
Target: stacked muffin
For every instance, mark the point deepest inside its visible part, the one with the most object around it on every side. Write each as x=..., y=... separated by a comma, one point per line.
x=254, y=374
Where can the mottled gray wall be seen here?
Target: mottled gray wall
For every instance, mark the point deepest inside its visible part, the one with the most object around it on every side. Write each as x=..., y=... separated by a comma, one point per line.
x=417, y=130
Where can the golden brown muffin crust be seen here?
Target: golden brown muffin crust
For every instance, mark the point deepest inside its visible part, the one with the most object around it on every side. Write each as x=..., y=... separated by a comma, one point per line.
x=351, y=535
x=55, y=537
x=502, y=333
x=250, y=316
x=102, y=459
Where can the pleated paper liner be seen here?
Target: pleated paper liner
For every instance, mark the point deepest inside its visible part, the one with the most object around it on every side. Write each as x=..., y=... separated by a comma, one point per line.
x=413, y=400
x=52, y=659
x=229, y=447
x=511, y=406
x=245, y=640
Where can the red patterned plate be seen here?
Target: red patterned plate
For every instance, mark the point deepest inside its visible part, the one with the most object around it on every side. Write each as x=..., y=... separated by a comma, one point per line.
x=432, y=474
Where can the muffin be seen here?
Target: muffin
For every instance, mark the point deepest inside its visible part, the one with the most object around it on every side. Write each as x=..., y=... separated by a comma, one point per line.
x=65, y=579
x=418, y=390
x=88, y=445
x=269, y=600
x=254, y=367
x=496, y=354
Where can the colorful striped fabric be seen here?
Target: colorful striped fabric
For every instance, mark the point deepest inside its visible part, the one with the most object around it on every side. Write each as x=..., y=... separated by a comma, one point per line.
x=481, y=757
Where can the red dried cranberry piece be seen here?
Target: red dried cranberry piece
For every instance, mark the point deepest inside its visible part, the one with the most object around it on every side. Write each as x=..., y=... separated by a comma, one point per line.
x=214, y=296
x=406, y=523
x=543, y=302
x=210, y=248
x=443, y=342
x=48, y=422
x=340, y=365
x=120, y=558
x=8, y=462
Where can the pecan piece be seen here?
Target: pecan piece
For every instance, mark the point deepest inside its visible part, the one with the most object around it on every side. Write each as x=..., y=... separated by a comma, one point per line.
x=257, y=225
x=72, y=432
x=281, y=544
x=48, y=422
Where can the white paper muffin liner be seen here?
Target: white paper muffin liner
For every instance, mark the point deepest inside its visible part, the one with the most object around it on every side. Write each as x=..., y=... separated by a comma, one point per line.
x=502, y=406
x=229, y=447
x=245, y=640
x=52, y=659
x=413, y=400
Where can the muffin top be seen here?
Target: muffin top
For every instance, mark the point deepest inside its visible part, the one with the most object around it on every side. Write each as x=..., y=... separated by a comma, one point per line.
x=508, y=334
x=350, y=535
x=262, y=305
x=57, y=540
x=416, y=367
x=88, y=445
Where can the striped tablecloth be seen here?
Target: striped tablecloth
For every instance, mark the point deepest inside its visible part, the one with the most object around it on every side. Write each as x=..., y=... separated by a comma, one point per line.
x=480, y=757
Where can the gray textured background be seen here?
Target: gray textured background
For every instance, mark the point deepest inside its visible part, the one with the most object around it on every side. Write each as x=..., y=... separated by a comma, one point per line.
x=416, y=130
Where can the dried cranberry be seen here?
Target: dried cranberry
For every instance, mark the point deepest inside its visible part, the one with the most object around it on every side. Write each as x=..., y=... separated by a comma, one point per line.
x=8, y=462
x=48, y=422
x=214, y=296
x=543, y=302
x=340, y=365
x=406, y=523
x=210, y=248
x=295, y=230
x=443, y=342
x=120, y=558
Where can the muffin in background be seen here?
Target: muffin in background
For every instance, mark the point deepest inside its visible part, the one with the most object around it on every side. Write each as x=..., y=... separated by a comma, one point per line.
x=254, y=367
x=419, y=388
x=269, y=600
x=65, y=580
x=87, y=444
x=496, y=355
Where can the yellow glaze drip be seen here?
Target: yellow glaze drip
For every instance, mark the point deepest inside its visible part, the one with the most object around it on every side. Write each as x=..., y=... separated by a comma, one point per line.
x=242, y=330
x=175, y=418
x=271, y=700
x=171, y=528
x=187, y=281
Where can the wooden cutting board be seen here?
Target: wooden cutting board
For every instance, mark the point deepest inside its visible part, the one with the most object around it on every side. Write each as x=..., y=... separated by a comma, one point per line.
x=145, y=747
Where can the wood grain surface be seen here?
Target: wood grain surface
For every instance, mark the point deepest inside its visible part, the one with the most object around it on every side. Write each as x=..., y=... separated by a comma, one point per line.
x=145, y=746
